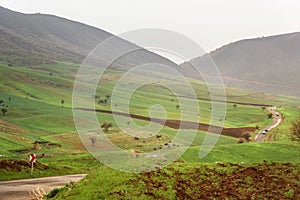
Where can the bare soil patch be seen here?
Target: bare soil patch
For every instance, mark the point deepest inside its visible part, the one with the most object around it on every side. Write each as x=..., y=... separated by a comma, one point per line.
x=176, y=124
x=8, y=127
x=260, y=181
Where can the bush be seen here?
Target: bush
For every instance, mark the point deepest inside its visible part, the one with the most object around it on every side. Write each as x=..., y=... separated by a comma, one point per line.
x=240, y=140
x=270, y=115
x=295, y=130
x=4, y=110
x=53, y=193
x=246, y=136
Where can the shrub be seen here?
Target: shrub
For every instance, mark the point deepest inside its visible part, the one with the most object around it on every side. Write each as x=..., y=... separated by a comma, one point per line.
x=4, y=110
x=246, y=136
x=240, y=140
x=53, y=193
x=295, y=130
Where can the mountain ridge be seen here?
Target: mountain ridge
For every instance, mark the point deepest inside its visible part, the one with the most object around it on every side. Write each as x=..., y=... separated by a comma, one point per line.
x=267, y=64
x=32, y=39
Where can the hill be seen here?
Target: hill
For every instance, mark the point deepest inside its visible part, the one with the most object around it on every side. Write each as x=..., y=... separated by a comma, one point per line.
x=267, y=64
x=32, y=39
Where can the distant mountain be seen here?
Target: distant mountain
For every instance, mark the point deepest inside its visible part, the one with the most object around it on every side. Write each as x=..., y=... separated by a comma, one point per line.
x=267, y=64
x=30, y=39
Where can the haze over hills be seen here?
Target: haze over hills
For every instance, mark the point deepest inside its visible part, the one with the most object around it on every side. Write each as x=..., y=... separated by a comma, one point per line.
x=30, y=39
x=267, y=64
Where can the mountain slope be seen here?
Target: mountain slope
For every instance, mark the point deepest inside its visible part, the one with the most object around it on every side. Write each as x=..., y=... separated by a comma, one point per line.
x=30, y=39
x=269, y=64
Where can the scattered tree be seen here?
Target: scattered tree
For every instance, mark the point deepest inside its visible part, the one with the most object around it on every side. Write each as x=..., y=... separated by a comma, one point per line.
x=158, y=136
x=4, y=110
x=62, y=102
x=270, y=115
x=234, y=105
x=177, y=106
x=263, y=108
x=101, y=101
x=106, y=126
x=246, y=136
x=9, y=98
x=96, y=96
x=93, y=140
x=107, y=96
x=256, y=127
x=295, y=130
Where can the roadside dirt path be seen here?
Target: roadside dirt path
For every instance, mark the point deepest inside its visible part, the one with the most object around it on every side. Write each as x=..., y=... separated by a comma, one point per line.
x=277, y=119
x=21, y=189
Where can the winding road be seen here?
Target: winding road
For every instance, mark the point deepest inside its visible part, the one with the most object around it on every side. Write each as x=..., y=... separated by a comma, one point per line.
x=277, y=119
x=23, y=189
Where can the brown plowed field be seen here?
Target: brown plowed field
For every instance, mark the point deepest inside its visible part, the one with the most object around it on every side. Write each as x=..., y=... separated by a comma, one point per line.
x=176, y=124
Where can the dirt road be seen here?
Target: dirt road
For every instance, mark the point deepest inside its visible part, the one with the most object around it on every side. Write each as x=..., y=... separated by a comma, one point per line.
x=180, y=124
x=21, y=189
x=277, y=118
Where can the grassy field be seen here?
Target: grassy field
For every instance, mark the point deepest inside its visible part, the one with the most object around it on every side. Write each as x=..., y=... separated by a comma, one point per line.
x=189, y=181
x=33, y=97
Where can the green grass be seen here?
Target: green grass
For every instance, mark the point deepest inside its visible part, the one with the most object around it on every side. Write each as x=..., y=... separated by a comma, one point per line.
x=188, y=181
x=36, y=112
x=248, y=153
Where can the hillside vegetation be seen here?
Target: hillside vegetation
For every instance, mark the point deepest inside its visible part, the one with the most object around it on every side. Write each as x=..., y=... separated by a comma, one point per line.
x=266, y=64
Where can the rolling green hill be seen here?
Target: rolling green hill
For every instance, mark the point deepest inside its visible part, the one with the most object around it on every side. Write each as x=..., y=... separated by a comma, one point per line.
x=266, y=64
x=38, y=67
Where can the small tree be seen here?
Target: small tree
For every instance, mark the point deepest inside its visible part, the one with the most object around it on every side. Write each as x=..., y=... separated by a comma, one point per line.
x=295, y=130
x=62, y=102
x=106, y=126
x=234, y=105
x=4, y=110
x=93, y=140
x=246, y=136
x=263, y=108
x=270, y=115
x=177, y=106
x=107, y=96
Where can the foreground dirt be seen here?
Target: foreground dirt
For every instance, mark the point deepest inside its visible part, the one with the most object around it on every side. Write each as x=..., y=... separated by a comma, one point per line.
x=25, y=189
x=227, y=181
x=19, y=165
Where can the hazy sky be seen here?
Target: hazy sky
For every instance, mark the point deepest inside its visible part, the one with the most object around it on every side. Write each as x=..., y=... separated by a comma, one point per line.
x=211, y=23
